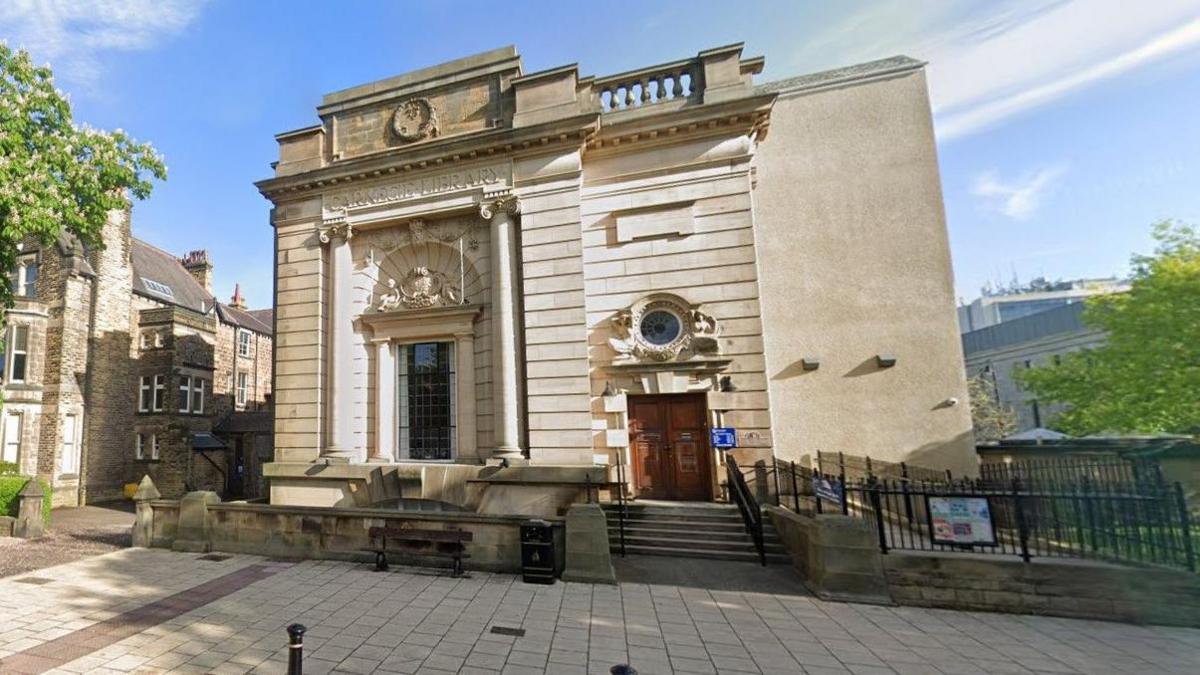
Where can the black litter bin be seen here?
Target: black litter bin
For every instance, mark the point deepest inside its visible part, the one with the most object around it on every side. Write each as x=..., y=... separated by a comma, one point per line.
x=537, y=552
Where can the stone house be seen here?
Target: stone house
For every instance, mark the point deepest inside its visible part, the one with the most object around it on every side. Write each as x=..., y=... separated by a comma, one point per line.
x=559, y=274
x=119, y=362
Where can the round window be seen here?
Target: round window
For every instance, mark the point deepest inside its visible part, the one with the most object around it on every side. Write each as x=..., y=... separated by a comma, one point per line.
x=660, y=327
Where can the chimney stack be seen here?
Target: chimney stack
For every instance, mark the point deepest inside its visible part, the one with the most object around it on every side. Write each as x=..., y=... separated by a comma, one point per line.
x=197, y=264
x=237, y=301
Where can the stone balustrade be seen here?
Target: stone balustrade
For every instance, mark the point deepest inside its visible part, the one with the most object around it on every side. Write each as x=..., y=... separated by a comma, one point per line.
x=677, y=81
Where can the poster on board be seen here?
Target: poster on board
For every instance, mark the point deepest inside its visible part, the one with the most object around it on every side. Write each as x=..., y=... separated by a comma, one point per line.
x=959, y=520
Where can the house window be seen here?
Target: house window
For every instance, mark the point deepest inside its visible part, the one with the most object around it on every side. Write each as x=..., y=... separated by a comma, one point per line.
x=198, y=386
x=185, y=394
x=70, y=446
x=18, y=353
x=145, y=446
x=151, y=391
x=160, y=392
x=11, y=450
x=243, y=386
x=425, y=397
x=243, y=338
x=144, y=389
x=24, y=279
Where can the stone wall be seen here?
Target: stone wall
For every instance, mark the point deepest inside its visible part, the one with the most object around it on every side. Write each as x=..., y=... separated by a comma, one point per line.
x=111, y=383
x=838, y=557
x=227, y=362
x=336, y=533
x=1073, y=588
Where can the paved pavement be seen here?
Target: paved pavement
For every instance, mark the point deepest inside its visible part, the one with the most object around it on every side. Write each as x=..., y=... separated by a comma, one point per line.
x=155, y=611
x=74, y=533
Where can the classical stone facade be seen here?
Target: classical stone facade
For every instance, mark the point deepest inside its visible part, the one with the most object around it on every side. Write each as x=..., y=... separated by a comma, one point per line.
x=118, y=363
x=481, y=266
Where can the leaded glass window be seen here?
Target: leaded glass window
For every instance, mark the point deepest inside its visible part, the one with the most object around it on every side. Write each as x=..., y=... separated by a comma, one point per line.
x=426, y=400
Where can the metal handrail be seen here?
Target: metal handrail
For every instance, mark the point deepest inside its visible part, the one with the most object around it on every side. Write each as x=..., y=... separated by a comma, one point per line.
x=752, y=514
x=622, y=504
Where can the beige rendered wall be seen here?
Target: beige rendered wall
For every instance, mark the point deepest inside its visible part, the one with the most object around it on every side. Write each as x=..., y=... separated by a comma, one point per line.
x=854, y=261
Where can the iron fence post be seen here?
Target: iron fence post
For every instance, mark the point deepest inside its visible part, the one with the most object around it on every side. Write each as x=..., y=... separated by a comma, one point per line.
x=795, y=488
x=1185, y=522
x=1089, y=512
x=295, y=649
x=775, y=471
x=908, y=511
x=1022, y=527
x=877, y=507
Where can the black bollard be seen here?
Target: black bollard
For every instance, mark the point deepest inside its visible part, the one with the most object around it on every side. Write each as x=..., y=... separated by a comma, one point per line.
x=622, y=669
x=295, y=649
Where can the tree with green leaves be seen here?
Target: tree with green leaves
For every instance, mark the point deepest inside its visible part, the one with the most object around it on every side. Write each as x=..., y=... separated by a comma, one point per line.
x=56, y=176
x=1145, y=378
x=991, y=419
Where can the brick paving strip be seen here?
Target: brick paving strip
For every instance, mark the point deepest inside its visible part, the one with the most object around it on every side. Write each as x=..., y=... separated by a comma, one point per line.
x=84, y=641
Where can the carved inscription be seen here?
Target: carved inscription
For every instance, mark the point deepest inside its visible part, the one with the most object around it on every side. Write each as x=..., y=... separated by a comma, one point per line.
x=395, y=192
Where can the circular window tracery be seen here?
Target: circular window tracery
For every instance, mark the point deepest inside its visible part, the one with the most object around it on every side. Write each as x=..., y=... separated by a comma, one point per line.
x=660, y=327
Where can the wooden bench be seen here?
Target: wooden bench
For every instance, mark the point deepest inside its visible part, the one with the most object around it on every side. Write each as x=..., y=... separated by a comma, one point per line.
x=427, y=543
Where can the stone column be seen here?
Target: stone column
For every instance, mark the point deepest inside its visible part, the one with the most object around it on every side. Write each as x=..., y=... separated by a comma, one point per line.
x=339, y=442
x=464, y=357
x=385, y=403
x=501, y=211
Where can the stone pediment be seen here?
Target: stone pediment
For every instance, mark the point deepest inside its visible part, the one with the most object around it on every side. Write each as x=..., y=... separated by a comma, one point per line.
x=460, y=97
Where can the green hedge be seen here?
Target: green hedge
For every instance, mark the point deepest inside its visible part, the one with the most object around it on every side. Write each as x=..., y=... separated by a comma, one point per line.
x=10, y=504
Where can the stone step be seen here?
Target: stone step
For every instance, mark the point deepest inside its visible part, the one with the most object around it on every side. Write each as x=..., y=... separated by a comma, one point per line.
x=684, y=531
x=669, y=524
x=744, y=556
x=698, y=542
x=694, y=515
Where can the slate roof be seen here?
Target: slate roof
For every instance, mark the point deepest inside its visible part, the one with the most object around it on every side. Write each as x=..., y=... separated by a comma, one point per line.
x=257, y=320
x=828, y=78
x=159, y=275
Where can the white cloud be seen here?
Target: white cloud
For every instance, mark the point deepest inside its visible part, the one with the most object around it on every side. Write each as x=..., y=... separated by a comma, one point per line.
x=72, y=34
x=1018, y=199
x=991, y=61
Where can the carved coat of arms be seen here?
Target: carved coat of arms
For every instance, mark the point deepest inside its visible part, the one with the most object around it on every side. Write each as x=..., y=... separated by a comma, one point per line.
x=419, y=289
x=415, y=120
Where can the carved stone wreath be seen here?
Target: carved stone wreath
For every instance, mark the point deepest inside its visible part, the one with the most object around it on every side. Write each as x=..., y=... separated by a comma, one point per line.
x=419, y=289
x=664, y=327
x=415, y=120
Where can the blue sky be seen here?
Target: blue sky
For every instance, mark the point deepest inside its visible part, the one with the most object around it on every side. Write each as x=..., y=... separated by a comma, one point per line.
x=1065, y=127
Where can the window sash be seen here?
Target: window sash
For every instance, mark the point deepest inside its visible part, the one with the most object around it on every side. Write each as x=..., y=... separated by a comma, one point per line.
x=427, y=401
x=144, y=394
x=185, y=394
x=139, y=446
x=160, y=391
x=19, y=354
x=153, y=446
x=243, y=342
x=198, y=386
x=11, y=450
x=70, y=449
x=243, y=386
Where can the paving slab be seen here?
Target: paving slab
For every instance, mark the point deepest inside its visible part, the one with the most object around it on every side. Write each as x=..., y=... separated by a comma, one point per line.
x=154, y=611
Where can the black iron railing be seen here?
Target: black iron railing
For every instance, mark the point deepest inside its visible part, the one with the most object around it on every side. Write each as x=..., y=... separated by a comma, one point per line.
x=1101, y=510
x=622, y=505
x=752, y=514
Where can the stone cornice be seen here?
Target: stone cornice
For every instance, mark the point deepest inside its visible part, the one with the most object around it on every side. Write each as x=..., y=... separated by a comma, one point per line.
x=749, y=115
x=442, y=153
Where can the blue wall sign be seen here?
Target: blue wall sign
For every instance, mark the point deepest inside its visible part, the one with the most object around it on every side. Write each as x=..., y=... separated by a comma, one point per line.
x=828, y=490
x=723, y=437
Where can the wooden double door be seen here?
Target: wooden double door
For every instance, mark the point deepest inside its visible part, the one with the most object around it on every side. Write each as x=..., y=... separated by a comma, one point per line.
x=668, y=437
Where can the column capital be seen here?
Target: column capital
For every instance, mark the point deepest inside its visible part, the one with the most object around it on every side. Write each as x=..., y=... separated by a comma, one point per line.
x=336, y=227
x=504, y=202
